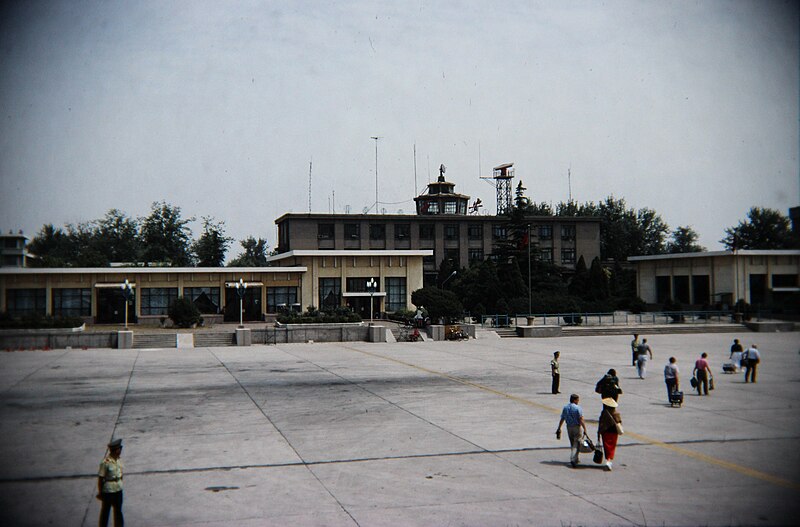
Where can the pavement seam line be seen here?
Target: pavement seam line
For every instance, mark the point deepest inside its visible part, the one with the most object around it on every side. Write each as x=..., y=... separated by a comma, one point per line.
x=302, y=461
x=757, y=474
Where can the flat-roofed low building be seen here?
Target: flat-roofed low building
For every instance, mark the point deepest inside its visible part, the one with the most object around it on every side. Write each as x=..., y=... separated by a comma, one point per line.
x=759, y=277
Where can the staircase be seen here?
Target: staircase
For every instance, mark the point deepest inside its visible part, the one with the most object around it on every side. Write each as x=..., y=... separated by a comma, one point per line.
x=506, y=333
x=154, y=340
x=214, y=340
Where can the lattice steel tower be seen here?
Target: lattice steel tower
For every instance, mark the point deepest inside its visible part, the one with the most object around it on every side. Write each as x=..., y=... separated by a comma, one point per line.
x=502, y=176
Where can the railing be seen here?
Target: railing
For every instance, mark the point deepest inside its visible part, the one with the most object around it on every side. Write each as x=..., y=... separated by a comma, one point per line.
x=608, y=319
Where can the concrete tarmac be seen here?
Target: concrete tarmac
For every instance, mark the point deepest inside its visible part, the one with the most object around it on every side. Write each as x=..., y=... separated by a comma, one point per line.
x=432, y=433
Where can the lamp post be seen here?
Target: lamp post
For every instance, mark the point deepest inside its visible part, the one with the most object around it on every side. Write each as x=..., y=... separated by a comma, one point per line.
x=371, y=286
x=241, y=286
x=448, y=278
x=529, y=271
x=127, y=293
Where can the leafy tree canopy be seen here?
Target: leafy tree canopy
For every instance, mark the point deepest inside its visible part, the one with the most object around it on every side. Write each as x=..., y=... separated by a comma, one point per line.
x=440, y=304
x=254, y=254
x=212, y=245
x=684, y=240
x=165, y=236
x=763, y=229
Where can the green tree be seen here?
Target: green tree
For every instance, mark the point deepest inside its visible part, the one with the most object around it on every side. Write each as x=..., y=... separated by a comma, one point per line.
x=85, y=245
x=165, y=236
x=211, y=246
x=254, y=254
x=51, y=248
x=439, y=303
x=598, y=282
x=684, y=240
x=580, y=280
x=763, y=229
x=117, y=237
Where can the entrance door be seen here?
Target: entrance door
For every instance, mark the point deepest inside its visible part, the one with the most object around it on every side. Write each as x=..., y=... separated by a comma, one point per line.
x=251, y=305
x=360, y=305
x=111, y=306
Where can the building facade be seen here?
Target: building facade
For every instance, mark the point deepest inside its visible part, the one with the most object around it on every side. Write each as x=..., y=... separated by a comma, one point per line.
x=13, y=250
x=443, y=226
x=759, y=277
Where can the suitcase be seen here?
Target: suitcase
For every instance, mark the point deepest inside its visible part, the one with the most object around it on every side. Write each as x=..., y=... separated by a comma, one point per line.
x=729, y=367
x=676, y=398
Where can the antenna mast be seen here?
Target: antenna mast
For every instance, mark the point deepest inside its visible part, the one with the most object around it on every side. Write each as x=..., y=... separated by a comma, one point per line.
x=415, y=169
x=309, y=184
x=569, y=182
x=376, y=172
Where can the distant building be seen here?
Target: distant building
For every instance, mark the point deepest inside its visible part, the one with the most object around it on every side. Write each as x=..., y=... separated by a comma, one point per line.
x=442, y=225
x=759, y=277
x=14, y=250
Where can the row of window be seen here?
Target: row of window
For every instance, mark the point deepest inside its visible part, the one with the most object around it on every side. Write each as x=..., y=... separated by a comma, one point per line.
x=402, y=231
x=330, y=291
x=568, y=256
x=77, y=302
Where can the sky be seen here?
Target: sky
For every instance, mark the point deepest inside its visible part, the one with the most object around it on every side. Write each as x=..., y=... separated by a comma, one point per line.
x=222, y=108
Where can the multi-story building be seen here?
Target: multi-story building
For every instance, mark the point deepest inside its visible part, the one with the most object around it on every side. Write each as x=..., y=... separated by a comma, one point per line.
x=442, y=224
x=14, y=251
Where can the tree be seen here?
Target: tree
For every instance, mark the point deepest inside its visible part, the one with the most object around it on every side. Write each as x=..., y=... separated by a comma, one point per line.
x=165, y=236
x=117, y=237
x=50, y=247
x=439, y=303
x=254, y=255
x=212, y=245
x=763, y=229
x=684, y=240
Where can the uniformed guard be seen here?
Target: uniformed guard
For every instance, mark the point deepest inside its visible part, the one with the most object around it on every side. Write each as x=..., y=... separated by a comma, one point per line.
x=109, y=484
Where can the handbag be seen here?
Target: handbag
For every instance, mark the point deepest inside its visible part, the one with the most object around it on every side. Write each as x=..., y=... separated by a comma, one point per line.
x=598, y=453
x=711, y=383
x=693, y=382
x=620, y=430
x=586, y=445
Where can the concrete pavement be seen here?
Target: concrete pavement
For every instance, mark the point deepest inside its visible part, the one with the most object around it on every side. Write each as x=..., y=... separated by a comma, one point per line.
x=433, y=433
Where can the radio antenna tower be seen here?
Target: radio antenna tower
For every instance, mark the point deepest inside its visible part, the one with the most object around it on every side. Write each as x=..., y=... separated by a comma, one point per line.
x=376, y=171
x=502, y=176
x=309, y=184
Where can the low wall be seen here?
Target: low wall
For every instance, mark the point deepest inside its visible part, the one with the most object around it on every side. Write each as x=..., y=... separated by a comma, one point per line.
x=297, y=333
x=770, y=326
x=538, y=331
x=55, y=339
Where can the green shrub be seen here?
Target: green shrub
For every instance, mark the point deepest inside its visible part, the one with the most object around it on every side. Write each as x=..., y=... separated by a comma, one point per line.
x=183, y=313
x=36, y=321
x=313, y=316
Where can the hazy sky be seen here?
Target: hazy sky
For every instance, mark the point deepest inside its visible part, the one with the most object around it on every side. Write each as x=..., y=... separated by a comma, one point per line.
x=688, y=108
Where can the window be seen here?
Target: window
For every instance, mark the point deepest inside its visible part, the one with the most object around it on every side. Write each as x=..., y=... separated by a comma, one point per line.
x=462, y=207
x=428, y=262
x=426, y=231
x=359, y=284
x=567, y=256
x=567, y=232
x=325, y=231
x=26, y=301
x=281, y=298
x=156, y=300
x=450, y=207
x=352, y=231
x=330, y=293
x=451, y=231
x=784, y=280
x=546, y=255
x=499, y=232
x=72, y=302
x=680, y=288
x=545, y=232
x=475, y=255
x=395, y=294
x=451, y=255
x=475, y=231
x=433, y=207
x=402, y=231
x=663, y=289
x=377, y=231
x=205, y=299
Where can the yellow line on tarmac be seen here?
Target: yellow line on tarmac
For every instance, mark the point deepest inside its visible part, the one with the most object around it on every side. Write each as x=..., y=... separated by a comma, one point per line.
x=775, y=480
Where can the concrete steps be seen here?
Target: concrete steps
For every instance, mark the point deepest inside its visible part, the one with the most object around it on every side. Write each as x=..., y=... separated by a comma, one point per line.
x=154, y=340
x=506, y=333
x=214, y=340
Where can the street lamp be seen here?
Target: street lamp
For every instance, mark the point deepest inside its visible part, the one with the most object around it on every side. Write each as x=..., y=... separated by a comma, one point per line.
x=371, y=287
x=127, y=293
x=448, y=278
x=529, y=271
x=241, y=286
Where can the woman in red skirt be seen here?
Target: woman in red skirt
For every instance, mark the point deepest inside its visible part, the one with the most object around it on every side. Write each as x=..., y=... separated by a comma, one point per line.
x=607, y=430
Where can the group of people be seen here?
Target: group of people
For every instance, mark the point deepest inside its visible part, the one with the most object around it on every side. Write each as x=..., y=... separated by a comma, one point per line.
x=609, y=426
x=610, y=422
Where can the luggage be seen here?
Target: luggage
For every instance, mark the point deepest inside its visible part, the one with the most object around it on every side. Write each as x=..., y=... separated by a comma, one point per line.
x=586, y=446
x=729, y=367
x=676, y=398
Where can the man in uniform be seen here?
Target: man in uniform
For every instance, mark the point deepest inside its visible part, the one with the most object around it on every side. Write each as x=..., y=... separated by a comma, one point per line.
x=109, y=484
x=555, y=373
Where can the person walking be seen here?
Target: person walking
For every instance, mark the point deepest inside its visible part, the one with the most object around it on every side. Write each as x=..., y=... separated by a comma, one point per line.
x=554, y=372
x=608, y=385
x=109, y=484
x=750, y=360
x=634, y=348
x=641, y=359
x=609, y=428
x=671, y=377
x=572, y=414
x=736, y=354
x=702, y=372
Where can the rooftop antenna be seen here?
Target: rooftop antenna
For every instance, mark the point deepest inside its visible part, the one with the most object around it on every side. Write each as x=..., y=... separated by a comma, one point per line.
x=376, y=137
x=309, y=184
x=569, y=182
x=415, y=168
